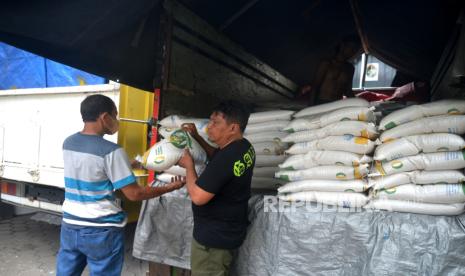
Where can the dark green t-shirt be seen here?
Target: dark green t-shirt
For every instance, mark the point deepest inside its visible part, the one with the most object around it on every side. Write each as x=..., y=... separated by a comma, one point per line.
x=222, y=222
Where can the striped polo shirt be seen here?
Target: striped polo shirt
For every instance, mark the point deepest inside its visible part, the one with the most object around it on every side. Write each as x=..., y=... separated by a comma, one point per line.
x=94, y=168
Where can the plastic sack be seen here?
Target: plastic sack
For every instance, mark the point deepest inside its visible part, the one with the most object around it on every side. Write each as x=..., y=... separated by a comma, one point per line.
x=266, y=183
x=356, y=128
x=324, y=186
x=416, y=207
x=451, y=160
x=265, y=136
x=311, y=110
x=325, y=172
x=270, y=148
x=416, y=177
x=413, y=145
x=345, y=199
x=347, y=143
x=439, y=124
x=269, y=160
x=323, y=157
x=176, y=121
x=267, y=116
x=365, y=114
x=167, y=152
x=276, y=125
x=414, y=112
x=178, y=170
x=438, y=193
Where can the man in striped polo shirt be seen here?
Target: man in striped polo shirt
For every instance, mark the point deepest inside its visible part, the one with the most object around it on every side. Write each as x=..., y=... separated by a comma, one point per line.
x=92, y=231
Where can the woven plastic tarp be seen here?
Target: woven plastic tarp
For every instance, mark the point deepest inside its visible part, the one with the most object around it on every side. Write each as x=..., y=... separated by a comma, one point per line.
x=313, y=240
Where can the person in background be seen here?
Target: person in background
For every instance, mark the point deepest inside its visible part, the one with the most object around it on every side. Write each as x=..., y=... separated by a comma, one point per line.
x=333, y=78
x=220, y=194
x=92, y=230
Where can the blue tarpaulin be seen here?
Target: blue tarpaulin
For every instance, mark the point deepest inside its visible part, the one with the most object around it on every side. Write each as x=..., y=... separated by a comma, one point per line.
x=21, y=69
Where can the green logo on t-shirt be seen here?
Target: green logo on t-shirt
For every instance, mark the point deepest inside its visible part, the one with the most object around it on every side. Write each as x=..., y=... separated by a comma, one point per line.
x=239, y=168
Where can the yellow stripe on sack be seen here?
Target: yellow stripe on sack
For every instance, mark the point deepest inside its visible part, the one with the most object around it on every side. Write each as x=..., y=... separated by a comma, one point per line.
x=362, y=117
x=357, y=174
x=379, y=167
x=361, y=140
x=365, y=133
x=389, y=140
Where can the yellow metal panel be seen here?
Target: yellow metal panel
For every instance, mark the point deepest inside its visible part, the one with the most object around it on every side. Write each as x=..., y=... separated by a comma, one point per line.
x=134, y=104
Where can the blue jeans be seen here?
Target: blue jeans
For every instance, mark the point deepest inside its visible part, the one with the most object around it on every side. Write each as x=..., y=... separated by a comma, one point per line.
x=102, y=248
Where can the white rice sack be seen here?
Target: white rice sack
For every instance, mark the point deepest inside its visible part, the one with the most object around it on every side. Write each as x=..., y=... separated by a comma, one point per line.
x=178, y=170
x=347, y=143
x=165, y=177
x=344, y=199
x=266, y=183
x=265, y=171
x=323, y=157
x=451, y=160
x=356, y=128
x=167, y=152
x=416, y=207
x=414, y=112
x=438, y=193
x=413, y=145
x=318, y=121
x=265, y=136
x=266, y=116
x=439, y=124
x=325, y=172
x=276, y=125
x=349, y=102
x=416, y=177
x=269, y=160
x=270, y=148
x=324, y=186
x=176, y=121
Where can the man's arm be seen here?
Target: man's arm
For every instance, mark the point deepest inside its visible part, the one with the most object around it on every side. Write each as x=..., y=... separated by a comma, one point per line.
x=190, y=127
x=198, y=195
x=134, y=192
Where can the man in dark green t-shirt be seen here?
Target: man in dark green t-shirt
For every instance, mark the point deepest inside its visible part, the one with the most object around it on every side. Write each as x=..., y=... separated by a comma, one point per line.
x=220, y=194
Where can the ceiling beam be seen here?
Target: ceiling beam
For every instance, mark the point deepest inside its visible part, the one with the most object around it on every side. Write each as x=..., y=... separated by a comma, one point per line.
x=235, y=16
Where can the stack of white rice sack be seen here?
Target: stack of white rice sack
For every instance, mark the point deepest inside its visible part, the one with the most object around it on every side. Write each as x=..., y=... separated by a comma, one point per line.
x=330, y=155
x=419, y=163
x=264, y=132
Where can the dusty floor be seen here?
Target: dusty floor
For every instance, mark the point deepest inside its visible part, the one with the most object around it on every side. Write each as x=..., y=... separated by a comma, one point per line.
x=29, y=247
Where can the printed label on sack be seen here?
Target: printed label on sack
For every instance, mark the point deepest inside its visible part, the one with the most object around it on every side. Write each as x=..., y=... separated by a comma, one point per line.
x=396, y=164
x=453, y=111
x=341, y=175
x=390, y=125
x=180, y=139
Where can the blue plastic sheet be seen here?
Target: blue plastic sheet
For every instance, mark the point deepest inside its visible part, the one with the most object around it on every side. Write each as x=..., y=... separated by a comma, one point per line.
x=21, y=69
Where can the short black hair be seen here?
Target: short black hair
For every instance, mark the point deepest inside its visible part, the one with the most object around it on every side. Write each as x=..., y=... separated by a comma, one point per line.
x=234, y=112
x=94, y=105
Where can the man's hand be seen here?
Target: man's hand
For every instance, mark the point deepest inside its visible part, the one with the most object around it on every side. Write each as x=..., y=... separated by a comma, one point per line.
x=191, y=128
x=186, y=160
x=136, y=165
x=177, y=182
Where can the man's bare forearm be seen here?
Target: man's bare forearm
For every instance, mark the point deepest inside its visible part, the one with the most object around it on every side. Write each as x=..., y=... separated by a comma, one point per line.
x=209, y=150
